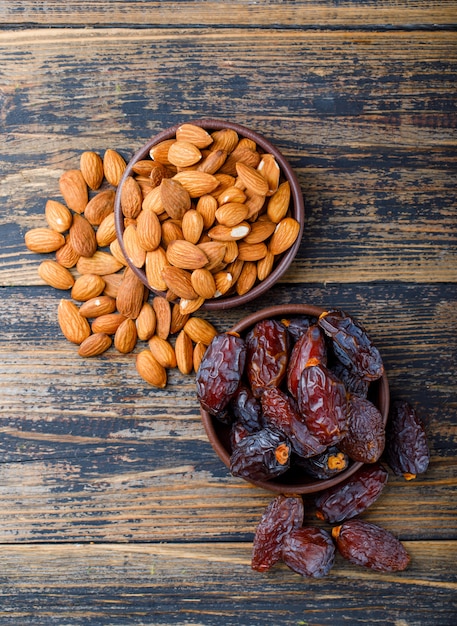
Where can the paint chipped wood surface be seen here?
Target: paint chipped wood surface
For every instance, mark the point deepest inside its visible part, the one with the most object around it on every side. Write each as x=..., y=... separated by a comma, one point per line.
x=115, y=509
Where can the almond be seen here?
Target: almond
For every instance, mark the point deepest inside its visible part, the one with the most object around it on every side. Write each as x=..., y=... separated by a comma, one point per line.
x=184, y=352
x=100, y=263
x=196, y=183
x=112, y=284
x=179, y=281
x=114, y=166
x=158, y=173
x=187, y=307
x=99, y=207
x=74, y=327
x=149, y=230
x=234, y=269
x=231, y=194
x=278, y=204
x=162, y=309
x=241, y=154
x=207, y=207
x=150, y=369
x=171, y=230
x=43, y=240
x=198, y=354
x=230, y=233
x=66, y=256
x=133, y=247
x=156, y=261
x=87, y=286
x=252, y=179
x=55, y=275
x=251, y=251
x=183, y=154
x=192, y=226
x=225, y=181
x=130, y=296
x=214, y=251
x=231, y=251
x=247, y=278
x=58, y=216
x=255, y=204
x=94, y=345
x=213, y=162
x=178, y=319
x=106, y=232
x=194, y=134
x=284, y=236
x=82, y=237
x=131, y=197
x=203, y=283
x=232, y=213
x=162, y=351
x=91, y=166
x=175, y=198
x=225, y=139
x=143, y=167
x=116, y=251
x=108, y=323
x=73, y=188
x=265, y=266
x=185, y=255
x=100, y=305
x=125, y=336
x=260, y=231
x=153, y=201
x=224, y=282
x=159, y=152
x=146, y=322
x=270, y=170
x=199, y=329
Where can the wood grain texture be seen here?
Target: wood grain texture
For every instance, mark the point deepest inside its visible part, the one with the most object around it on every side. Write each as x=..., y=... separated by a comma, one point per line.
x=271, y=14
x=374, y=149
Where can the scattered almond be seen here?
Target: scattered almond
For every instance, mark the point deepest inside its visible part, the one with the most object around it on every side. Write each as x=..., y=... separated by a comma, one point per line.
x=146, y=322
x=58, y=216
x=74, y=326
x=99, y=207
x=184, y=352
x=200, y=330
x=150, y=369
x=91, y=166
x=55, y=275
x=162, y=310
x=87, y=286
x=94, y=345
x=100, y=305
x=43, y=240
x=114, y=166
x=73, y=188
x=125, y=337
x=162, y=351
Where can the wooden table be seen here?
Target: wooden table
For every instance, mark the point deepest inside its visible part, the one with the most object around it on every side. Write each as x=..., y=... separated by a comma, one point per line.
x=114, y=507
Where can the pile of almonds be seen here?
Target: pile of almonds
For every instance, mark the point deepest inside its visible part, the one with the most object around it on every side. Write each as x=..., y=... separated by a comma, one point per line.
x=207, y=215
x=109, y=303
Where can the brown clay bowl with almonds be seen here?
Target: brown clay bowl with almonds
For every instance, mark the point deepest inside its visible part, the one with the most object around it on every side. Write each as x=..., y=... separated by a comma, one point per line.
x=266, y=261
x=295, y=480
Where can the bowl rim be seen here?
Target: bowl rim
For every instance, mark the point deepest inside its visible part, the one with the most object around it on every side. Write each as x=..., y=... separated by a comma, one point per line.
x=296, y=198
x=276, y=485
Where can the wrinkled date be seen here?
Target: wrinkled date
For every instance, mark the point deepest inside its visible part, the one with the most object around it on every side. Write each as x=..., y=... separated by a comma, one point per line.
x=309, y=551
x=407, y=450
x=267, y=355
x=281, y=516
x=366, y=436
x=261, y=456
x=310, y=345
x=353, y=496
x=330, y=462
x=364, y=543
x=220, y=372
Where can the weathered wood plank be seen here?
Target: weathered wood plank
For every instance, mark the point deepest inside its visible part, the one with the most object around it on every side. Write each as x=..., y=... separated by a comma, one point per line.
x=367, y=121
x=208, y=584
x=90, y=452
x=272, y=14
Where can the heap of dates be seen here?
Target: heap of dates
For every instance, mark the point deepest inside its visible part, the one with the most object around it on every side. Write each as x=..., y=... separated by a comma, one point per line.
x=294, y=394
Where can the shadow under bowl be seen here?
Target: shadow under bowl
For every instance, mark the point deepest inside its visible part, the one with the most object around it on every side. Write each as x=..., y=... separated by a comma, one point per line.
x=295, y=480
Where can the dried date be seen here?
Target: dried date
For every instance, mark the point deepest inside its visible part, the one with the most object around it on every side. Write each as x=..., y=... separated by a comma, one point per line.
x=281, y=413
x=366, y=436
x=247, y=409
x=330, y=462
x=366, y=544
x=261, y=456
x=220, y=372
x=407, y=451
x=282, y=515
x=351, y=380
x=353, y=496
x=296, y=326
x=310, y=345
x=322, y=403
x=267, y=355
x=352, y=345
x=309, y=551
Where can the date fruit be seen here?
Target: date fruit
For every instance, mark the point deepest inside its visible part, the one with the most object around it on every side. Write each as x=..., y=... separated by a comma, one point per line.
x=353, y=496
x=322, y=402
x=261, y=456
x=267, y=355
x=282, y=515
x=330, y=462
x=310, y=345
x=309, y=551
x=352, y=345
x=220, y=372
x=246, y=409
x=366, y=436
x=366, y=544
x=407, y=451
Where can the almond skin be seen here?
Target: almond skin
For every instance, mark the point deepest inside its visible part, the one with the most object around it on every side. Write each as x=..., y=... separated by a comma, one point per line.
x=252, y=179
x=73, y=188
x=162, y=351
x=99, y=207
x=183, y=153
x=196, y=183
x=87, y=286
x=284, y=236
x=200, y=330
x=150, y=369
x=179, y=281
x=203, y=283
x=66, y=256
x=175, y=198
x=162, y=310
x=131, y=197
x=106, y=232
x=194, y=134
x=82, y=237
x=100, y=263
x=114, y=166
x=184, y=352
x=192, y=225
x=133, y=248
x=232, y=213
x=247, y=278
x=278, y=204
x=94, y=345
x=108, y=323
x=100, y=305
x=91, y=166
x=130, y=296
x=178, y=319
x=156, y=261
x=55, y=275
x=125, y=337
x=58, y=216
x=74, y=327
x=43, y=240
x=185, y=255
x=146, y=322
x=149, y=230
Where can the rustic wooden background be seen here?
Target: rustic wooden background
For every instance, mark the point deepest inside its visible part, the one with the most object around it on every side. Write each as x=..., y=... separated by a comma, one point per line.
x=114, y=508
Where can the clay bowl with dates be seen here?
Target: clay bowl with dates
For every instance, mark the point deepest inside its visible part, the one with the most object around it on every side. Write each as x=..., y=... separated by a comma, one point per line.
x=282, y=260
x=295, y=480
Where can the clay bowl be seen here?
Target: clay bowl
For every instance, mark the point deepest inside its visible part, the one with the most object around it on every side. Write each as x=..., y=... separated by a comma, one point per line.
x=296, y=209
x=294, y=480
